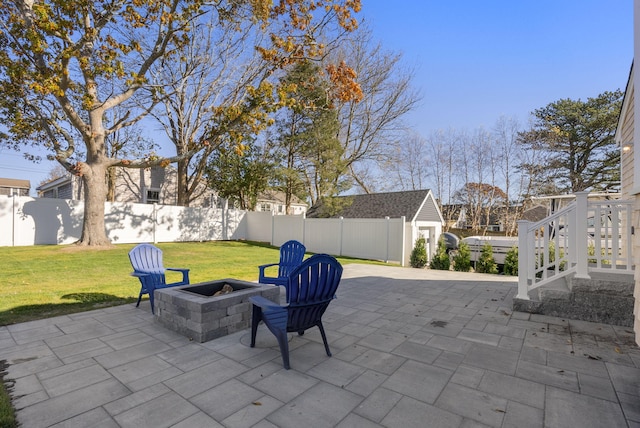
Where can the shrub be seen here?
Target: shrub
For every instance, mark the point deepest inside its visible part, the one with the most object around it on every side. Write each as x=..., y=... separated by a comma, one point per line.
x=440, y=260
x=486, y=262
x=511, y=262
x=419, y=254
x=462, y=259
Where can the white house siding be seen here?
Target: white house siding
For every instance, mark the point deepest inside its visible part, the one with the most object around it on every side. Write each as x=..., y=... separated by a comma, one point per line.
x=635, y=172
x=625, y=139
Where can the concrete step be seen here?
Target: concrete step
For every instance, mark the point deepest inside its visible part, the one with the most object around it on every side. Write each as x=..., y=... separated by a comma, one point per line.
x=605, y=298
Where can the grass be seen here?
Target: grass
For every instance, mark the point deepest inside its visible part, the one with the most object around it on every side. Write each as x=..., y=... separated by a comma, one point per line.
x=46, y=281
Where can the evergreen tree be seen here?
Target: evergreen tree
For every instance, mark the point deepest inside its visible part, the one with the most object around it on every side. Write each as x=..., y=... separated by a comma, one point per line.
x=486, y=262
x=307, y=137
x=440, y=260
x=578, y=140
x=419, y=254
x=511, y=262
x=241, y=175
x=462, y=259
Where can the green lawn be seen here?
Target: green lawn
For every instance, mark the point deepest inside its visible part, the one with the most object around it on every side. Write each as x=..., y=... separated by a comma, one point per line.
x=44, y=281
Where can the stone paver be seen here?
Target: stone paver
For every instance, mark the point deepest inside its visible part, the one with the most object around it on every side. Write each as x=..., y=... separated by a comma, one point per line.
x=411, y=348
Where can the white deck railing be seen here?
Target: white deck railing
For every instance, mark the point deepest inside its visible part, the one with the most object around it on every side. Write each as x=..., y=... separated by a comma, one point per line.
x=585, y=236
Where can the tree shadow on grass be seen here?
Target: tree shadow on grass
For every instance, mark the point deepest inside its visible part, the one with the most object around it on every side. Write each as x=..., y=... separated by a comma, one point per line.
x=80, y=302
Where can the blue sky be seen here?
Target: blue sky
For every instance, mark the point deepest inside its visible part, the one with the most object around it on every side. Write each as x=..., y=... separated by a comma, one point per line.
x=478, y=60
x=475, y=61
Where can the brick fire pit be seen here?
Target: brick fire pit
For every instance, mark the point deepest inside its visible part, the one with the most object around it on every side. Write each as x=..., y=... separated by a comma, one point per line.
x=194, y=311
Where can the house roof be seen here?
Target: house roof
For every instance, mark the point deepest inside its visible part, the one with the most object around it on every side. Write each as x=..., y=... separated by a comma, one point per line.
x=15, y=183
x=376, y=205
x=276, y=196
x=535, y=213
x=54, y=182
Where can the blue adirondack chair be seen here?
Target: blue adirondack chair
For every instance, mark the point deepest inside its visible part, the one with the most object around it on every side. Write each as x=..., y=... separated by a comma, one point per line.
x=146, y=260
x=291, y=255
x=310, y=289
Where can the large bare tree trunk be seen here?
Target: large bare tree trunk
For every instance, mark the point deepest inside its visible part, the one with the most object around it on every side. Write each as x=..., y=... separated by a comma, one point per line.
x=95, y=191
x=183, y=190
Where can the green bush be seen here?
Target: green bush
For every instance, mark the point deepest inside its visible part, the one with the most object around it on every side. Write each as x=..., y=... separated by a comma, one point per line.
x=511, y=262
x=486, y=262
x=440, y=260
x=419, y=254
x=462, y=259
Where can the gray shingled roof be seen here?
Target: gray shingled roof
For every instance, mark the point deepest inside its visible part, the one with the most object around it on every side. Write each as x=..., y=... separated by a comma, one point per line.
x=376, y=205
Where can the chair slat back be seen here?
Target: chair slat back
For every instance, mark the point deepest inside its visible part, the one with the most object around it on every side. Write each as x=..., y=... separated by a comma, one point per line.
x=311, y=288
x=147, y=258
x=291, y=255
x=315, y=280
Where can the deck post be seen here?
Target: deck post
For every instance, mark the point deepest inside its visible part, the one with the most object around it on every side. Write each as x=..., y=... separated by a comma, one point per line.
x=523, y=260
x=581, y=243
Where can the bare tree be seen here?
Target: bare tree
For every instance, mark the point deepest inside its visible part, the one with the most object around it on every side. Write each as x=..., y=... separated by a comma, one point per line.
x=370, y=125
x=505, y=133
x=409, y=162
x=217, y=69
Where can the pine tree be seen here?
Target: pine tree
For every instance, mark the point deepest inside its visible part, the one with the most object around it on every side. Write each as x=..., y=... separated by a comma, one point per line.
x=462, y=259
x=440, y=260
x=419, y=254
x=486, y=262
x=511, y=262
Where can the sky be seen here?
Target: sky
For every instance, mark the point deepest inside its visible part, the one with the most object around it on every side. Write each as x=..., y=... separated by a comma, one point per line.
x=476, y=61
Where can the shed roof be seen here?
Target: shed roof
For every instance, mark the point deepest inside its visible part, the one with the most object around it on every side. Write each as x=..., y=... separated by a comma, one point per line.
x=376, y=205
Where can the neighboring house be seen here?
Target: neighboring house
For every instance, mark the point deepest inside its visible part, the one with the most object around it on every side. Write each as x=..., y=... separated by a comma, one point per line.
x=628, y=138
x=419, y=208
x=455, y=216
x=535, y=213
x=14, y=187
x=274, y=201
x=146, y=186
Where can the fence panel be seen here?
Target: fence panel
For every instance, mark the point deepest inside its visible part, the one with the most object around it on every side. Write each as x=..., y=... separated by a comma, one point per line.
x=129, y=223
x=369, y=238
x=8, y=205
x=286, y=227
x=259, y=226
x=323, y=235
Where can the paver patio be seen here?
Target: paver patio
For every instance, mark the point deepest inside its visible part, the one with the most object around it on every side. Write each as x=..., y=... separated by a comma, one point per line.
x=411, y=348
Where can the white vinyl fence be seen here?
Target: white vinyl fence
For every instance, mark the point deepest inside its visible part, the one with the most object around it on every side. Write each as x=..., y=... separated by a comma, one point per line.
x=46, y=221
x=42, y=221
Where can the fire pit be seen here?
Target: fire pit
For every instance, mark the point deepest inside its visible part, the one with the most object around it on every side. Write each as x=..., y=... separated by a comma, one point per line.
x=198, y=313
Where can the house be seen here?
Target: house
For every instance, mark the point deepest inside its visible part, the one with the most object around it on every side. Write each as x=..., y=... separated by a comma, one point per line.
x=135, y=185
x=418, y=207
x=457, y=216
x=274, y=201
x=628, y=138
x=14, y=187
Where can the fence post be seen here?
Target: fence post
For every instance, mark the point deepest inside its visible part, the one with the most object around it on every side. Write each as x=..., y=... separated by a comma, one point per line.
x=273, y=228
x=13, y=221
x=304, y=228
x=341, y=232
x=402, y=241
x=523, y=260
x=581, y=243
x=155, y=221
x=386, y=255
